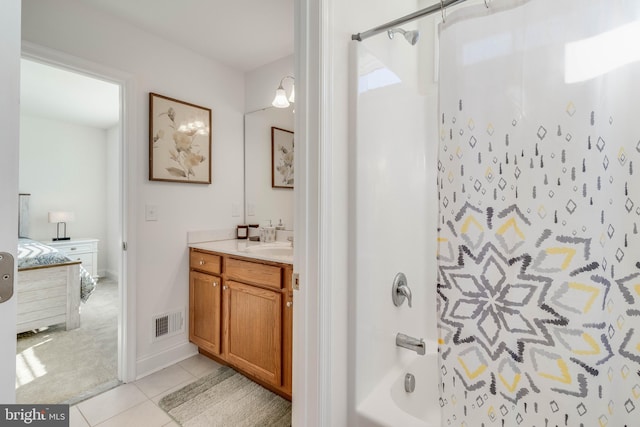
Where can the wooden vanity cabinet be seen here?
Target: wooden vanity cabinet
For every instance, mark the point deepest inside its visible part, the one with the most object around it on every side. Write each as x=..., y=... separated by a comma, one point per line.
x=241, y=314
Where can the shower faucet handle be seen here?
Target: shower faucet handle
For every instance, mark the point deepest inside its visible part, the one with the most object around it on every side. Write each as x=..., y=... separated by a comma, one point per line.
x=406, y=291
x=400, y=290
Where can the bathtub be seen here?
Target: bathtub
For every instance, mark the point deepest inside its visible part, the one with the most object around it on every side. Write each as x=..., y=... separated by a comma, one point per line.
x=417, y=409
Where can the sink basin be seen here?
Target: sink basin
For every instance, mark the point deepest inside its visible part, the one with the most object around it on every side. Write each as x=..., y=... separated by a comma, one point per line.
x=271, y=250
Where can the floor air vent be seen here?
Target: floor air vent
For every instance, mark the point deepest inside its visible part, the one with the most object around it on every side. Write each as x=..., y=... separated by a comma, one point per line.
x=168, y=324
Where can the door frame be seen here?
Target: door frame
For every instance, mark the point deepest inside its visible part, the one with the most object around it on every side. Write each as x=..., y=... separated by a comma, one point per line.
x=9, y=135
x=127, y=173
x=314, y=357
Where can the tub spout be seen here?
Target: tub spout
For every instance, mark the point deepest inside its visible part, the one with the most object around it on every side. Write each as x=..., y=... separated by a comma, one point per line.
x=414, y=344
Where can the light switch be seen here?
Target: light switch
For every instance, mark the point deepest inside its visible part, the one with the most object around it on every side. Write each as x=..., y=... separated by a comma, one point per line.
x=151, y=212
x=235, y=209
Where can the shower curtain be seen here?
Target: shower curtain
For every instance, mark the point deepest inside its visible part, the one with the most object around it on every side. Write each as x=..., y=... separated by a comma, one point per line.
x=539, y=209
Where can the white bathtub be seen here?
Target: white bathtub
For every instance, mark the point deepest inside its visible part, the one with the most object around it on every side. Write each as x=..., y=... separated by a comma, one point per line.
x=417, y=409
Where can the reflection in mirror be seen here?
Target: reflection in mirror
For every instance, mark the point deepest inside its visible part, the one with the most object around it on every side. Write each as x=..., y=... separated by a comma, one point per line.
x=263, y=203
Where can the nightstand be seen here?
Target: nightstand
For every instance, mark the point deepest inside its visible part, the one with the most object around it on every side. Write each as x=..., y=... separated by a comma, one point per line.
x=85, y=250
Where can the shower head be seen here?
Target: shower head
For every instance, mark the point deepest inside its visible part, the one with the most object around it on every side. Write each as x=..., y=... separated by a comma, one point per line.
x=411, y=36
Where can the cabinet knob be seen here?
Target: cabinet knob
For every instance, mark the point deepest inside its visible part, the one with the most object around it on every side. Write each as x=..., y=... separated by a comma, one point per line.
x=289, y=304
x=224, y=288
x=201, y=262
x=215, y=284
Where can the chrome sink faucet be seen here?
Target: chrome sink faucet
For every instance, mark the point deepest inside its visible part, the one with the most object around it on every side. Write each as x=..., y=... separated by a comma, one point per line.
x=290, y=238
x=410, y=343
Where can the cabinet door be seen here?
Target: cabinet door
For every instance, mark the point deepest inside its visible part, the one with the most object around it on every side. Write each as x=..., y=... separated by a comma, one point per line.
x=204, y=311
x=252, y=332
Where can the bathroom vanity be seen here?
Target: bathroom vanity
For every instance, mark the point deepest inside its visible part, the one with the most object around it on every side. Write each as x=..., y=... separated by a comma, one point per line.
x=241, y=308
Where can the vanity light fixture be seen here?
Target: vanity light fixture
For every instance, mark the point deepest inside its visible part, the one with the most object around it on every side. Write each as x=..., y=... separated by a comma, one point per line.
x=59, y=217
x=281, y=101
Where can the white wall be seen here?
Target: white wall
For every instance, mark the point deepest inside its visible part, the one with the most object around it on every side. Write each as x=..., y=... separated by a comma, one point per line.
x=62, y=166
x=158, y=66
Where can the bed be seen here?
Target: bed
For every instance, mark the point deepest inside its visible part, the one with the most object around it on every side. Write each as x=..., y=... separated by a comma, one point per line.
x=50, y=285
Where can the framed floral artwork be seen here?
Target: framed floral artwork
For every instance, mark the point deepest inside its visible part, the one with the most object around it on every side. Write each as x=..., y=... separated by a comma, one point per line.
x=281, y=158
x=179, y=141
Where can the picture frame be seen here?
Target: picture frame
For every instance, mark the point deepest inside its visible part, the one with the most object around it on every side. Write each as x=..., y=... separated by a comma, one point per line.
x=282, y=156
x=179, y=141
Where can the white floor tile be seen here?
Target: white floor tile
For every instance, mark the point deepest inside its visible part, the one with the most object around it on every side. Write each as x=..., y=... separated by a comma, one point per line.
x=135, y=404
x=108, y=404
x=76, y=419
x=199, y=365
x=161, y=381
x=146, y=414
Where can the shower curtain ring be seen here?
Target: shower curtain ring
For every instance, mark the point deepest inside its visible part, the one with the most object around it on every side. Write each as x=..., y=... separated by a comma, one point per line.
x=486, y=4
x=443, y=11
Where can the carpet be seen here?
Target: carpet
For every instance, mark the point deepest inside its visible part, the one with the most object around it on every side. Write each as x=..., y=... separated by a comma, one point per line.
x=226, y=398
x=59, y=366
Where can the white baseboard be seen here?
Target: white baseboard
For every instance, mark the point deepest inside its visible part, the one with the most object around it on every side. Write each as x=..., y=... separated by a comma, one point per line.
x=149, y=365
x=108, y=274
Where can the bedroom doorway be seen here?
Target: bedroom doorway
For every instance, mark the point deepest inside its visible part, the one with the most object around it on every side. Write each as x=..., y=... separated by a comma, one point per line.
x=71, y=132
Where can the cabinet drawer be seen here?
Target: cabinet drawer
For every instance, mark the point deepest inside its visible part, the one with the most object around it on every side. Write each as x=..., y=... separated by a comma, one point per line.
x=255, y=273
x=86, y=259
x=205, y=262
x=72, y=248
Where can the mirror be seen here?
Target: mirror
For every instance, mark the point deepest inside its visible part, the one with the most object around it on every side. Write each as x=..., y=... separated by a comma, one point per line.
x=262, y=201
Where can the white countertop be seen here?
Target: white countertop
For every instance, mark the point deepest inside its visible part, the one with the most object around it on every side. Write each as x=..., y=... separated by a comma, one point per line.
x=238, y=247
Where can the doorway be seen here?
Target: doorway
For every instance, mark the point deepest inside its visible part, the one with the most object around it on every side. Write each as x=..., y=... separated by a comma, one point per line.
x=71, y=159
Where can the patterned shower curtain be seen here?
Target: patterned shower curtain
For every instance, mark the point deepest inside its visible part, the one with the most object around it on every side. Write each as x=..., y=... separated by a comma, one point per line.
x=539, y=211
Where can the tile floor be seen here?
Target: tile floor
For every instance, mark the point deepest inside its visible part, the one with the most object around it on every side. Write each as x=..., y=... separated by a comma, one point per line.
x=136, y=404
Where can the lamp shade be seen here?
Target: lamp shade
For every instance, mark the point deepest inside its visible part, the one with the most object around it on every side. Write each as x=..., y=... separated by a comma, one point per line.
x=292, y=96
x=61, y=216
x=280, y=101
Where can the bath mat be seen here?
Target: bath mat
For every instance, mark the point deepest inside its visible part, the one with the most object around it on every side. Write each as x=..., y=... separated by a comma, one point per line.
x=226, y=398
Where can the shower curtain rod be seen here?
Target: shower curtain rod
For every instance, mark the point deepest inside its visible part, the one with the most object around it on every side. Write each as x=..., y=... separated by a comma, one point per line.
x=408, y=18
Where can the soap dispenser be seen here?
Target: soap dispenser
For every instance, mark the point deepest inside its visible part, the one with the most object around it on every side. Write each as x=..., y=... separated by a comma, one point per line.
x=268, y=233
x=280, y=225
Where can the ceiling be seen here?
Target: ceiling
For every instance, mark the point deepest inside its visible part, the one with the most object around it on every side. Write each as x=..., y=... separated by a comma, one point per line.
x=54, y=93
x=243, y=34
